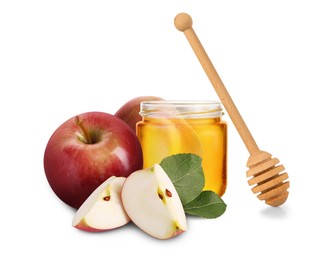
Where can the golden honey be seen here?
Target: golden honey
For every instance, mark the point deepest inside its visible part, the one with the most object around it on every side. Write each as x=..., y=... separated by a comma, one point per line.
x=172, y=127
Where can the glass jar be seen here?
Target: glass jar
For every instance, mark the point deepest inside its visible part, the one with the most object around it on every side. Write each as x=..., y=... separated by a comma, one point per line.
x=172, y=127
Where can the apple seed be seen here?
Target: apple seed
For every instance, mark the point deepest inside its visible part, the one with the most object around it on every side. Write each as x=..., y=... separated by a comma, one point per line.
x=168, y=193
x=107, y=198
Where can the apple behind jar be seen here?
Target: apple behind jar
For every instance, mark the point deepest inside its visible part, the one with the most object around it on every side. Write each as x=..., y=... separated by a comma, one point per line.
x=129, y=112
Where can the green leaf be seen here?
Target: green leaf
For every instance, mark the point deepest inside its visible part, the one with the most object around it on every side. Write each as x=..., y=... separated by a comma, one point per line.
x=186, y=173
x=207, y=205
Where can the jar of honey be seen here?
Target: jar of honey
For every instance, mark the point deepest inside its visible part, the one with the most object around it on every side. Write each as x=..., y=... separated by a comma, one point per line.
x=173, y=127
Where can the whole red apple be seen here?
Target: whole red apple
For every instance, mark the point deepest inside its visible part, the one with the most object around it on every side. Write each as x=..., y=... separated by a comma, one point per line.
x=129, y=112
x=85, y=151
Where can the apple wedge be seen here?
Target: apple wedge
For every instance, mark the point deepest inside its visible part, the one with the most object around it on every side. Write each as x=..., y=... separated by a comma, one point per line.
x=152, y=203
x=103, y=209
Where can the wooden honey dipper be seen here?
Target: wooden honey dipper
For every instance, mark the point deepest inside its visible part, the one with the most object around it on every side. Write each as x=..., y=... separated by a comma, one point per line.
x=264, y=170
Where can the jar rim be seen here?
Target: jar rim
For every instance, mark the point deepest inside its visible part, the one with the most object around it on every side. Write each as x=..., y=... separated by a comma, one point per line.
x=181, y=108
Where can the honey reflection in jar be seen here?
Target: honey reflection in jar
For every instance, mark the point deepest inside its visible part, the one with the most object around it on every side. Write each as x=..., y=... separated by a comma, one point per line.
x=172, y=127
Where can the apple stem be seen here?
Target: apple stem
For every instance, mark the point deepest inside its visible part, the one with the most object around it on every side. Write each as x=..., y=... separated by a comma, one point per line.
x=86, y=135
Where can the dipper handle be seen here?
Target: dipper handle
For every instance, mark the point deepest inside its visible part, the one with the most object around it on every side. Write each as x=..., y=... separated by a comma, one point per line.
x=183, y=23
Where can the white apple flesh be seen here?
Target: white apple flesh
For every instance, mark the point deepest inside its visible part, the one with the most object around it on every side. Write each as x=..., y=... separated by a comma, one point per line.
x=103, y=209
x=152, y=203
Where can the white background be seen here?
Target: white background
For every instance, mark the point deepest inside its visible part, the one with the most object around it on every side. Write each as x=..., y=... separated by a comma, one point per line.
x=62, y=58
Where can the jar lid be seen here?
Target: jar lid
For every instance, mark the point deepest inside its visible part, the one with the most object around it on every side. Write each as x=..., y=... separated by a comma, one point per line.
x=181, y=108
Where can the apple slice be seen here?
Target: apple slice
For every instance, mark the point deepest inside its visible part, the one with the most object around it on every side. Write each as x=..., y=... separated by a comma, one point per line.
x=152, y=203
x=103, y=209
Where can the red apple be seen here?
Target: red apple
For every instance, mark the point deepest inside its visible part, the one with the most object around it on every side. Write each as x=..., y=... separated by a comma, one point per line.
x=129, y=112
x=85, y=151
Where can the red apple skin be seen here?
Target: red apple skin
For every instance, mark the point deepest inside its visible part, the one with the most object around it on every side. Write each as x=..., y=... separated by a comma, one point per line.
x=129, y=112
x=75, y=169
x=83, y=226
